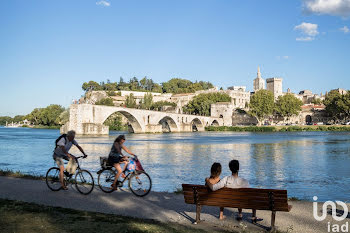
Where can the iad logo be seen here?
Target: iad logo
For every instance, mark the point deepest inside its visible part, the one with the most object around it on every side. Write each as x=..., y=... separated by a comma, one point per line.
x=332, y=227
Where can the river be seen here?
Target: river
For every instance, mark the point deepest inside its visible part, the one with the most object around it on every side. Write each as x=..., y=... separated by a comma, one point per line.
x=307, y=164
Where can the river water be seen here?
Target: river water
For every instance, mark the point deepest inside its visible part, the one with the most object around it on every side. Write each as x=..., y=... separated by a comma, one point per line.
x=307, y=164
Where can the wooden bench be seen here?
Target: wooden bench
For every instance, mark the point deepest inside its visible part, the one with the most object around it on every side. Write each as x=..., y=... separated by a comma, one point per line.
x=244, y=198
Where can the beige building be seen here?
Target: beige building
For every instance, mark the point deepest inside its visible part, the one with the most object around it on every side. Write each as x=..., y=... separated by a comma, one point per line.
x=239, y=98
x=275, y=86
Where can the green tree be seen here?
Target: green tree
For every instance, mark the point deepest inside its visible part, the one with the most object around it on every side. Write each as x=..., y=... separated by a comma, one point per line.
x=4, y=119
x=19, y=118
x=50, y=115
x=288, y=105
x=332, y=103
x=200, y=104
x=130, y=101
x=316, y=101
x=261, y=105
x=157, y=88
x=35, y=116
x=115, y=122
x=91, y=86
x=105, y=101
x=147, y=101
x=63, y=118
x=157, y=106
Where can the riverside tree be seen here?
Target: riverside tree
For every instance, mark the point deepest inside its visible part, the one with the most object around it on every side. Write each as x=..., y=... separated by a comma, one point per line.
x=48, y=116
x=261, y=105
x=337, y=105
x=288, y=105
x=200, y=104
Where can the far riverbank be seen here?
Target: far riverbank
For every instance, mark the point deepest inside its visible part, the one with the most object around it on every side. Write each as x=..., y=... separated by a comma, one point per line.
x=335, y=128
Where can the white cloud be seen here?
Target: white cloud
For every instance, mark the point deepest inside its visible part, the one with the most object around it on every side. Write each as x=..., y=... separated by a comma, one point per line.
x=329, y=7
x=308, y=38
x=282, y=57
x=345, y=29
x=103, y=3
x=308, y=29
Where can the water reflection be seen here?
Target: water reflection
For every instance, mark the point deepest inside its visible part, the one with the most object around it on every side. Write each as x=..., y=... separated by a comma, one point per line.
x=304, y=163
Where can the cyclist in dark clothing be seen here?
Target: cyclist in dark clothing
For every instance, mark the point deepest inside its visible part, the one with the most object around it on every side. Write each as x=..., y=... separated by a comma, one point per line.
x=116, y=157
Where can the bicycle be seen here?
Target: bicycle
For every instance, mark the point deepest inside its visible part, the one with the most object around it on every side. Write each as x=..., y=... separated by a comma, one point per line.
x=139, y=181
x=83, y=180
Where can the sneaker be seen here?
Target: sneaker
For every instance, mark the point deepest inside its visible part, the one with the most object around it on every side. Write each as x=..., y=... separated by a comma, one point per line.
x=119, y=184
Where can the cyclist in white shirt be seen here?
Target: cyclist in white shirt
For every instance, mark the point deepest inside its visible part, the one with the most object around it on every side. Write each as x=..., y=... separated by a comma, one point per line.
x=63, y=145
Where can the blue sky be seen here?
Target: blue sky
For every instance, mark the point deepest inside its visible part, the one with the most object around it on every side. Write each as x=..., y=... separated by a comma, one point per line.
x=49, y=48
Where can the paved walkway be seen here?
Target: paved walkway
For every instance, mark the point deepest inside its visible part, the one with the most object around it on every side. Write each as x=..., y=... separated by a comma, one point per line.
x=164, y=207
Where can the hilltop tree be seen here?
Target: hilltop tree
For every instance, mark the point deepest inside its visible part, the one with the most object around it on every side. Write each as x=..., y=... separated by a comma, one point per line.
x=261, y=105
x=200, y=104
x=91, y=86
x=157, y=106
x=130, y=101
x=147, y=101
x=105, y=101
x=288, y=105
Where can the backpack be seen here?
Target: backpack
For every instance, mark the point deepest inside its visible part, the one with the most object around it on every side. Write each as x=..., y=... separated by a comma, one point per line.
x=59, y=138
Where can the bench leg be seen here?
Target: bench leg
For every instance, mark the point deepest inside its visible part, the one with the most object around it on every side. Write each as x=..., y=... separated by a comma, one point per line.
x=198, y=214
x=254, y=219
x=273, y=218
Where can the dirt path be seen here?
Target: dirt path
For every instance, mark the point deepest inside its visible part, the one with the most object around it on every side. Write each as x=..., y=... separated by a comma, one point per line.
x=160, y=206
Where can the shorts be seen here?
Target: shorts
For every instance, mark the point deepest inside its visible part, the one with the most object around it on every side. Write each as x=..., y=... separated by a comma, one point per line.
x=59, y=160
x=114, y=159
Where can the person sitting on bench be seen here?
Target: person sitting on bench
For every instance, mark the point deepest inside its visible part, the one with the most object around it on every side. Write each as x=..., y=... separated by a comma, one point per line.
x=214, y=178
x=233, y=181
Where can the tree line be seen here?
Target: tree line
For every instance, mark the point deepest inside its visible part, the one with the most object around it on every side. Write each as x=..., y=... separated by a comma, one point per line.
x=175, y=85
x=262, y=104
x=52, y=115
x=147, y=102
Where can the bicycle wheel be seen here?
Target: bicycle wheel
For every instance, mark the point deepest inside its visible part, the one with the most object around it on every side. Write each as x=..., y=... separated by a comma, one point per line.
x=105, y=180
x=84, y=182
x=140, y=183
x=53, y=179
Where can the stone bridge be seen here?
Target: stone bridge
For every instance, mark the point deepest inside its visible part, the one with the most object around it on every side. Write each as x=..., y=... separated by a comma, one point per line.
x=88, y=119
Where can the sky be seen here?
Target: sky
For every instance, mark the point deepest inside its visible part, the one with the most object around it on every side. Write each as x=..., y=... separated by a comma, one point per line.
x=48, y=49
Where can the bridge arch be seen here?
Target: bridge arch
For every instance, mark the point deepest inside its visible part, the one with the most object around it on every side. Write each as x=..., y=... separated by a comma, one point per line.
x=215, y=123
x=197, y=125
x=168, y=124
x=134, y=123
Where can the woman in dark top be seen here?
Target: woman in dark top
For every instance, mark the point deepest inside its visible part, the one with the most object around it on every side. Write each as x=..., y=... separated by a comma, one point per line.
x=116, y=157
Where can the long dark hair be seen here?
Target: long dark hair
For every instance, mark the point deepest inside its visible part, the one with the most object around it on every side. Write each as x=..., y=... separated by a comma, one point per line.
x=119, y=138
x=215, y=170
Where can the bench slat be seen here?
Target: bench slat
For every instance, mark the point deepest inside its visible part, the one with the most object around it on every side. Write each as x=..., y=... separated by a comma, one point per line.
x=243, y=205
x=219, y=194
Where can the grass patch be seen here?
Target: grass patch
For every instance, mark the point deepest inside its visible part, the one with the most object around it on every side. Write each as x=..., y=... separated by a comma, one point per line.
x=178, y=191
x=23, y=217
x=19, y=174
x=46, y=127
